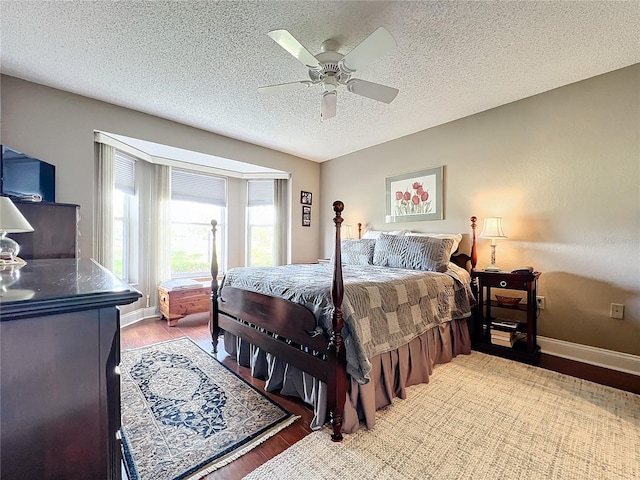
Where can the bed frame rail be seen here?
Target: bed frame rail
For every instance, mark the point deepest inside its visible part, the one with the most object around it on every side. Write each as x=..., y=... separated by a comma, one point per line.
x=246, y=314
x=317, y=363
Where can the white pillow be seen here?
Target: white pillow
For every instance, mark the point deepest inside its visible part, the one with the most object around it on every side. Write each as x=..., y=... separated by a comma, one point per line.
x=457, y=237
x=376, y=233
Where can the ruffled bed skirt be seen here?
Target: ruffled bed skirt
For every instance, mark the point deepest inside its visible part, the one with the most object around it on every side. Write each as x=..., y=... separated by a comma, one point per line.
x=392, y=373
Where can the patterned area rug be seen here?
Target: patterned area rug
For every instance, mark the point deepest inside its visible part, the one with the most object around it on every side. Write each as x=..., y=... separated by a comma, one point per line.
x=184, y=414
x=482, y=418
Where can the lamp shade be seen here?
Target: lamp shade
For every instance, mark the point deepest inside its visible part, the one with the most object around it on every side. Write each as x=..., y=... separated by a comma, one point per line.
x=348, y=232
x=11, y=220
x=492, y=228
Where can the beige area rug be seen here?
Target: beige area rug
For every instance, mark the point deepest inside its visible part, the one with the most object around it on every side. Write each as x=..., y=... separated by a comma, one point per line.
x=482, y=417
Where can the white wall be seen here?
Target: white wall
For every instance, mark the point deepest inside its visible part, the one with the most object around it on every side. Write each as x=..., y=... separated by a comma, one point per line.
x=562, y=168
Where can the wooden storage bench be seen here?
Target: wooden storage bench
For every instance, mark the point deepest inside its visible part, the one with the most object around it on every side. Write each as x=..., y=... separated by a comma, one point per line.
x=178, y=303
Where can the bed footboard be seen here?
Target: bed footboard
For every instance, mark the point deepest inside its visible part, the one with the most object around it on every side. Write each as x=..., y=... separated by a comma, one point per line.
x=285, y=329
x=277, y=326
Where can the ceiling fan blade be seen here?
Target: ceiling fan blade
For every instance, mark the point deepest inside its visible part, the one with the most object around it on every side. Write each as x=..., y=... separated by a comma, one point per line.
x=284, y=87
x=375, y=91
x=371, y=48
x=328, y=105
x=295, y=48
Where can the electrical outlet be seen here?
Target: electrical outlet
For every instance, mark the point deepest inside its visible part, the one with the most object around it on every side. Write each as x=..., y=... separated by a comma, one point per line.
x=617, y=310
x=540, y=301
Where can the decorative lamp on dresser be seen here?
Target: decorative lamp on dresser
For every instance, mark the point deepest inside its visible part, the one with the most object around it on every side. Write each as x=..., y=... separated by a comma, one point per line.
x=59, y=375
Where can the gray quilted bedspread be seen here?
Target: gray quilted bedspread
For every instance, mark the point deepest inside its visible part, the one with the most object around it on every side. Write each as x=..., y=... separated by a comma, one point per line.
x=383, y=307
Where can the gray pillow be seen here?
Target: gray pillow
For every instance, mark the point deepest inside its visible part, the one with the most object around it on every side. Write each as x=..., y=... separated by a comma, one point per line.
x=390, y=250
x=416, y=253
x=357, y=252
x=429, y=253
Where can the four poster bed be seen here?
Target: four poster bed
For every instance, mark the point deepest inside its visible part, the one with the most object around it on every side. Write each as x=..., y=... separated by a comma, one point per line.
x=350, y=335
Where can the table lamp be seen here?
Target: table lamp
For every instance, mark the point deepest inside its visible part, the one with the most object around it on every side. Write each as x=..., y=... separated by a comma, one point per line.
x=493, y=230
x=11, y=221
x=348, y=232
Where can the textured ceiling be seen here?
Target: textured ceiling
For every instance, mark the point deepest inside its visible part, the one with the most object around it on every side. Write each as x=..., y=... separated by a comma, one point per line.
x=200, y=62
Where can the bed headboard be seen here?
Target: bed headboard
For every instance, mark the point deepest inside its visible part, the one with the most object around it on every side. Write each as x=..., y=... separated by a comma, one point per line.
x=462, y=259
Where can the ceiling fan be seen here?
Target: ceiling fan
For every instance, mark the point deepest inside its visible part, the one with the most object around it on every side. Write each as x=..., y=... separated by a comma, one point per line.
x=331, y=69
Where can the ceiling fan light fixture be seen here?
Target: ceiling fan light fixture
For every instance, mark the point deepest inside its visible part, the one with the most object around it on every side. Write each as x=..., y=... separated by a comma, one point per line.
x=332, y=69
x=328, y=106
x=330, y=83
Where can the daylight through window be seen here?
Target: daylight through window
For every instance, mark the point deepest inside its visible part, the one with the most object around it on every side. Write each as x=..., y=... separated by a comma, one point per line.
x=123, y=205
x=196, y=199
x=260, y=223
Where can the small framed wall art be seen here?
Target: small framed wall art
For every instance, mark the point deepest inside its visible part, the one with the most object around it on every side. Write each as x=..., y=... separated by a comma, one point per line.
x=306, y=216
x=305, y=198
x=415, y=196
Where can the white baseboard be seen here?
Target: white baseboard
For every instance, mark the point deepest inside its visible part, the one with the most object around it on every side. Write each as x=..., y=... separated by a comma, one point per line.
x=623, y=362
x=138, y=315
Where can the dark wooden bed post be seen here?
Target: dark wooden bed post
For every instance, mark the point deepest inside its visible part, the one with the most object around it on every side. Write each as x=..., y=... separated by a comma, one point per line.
x=359, y=231
x=214, y=328
x=462, y=259
x=474, y=253
x=338, y=381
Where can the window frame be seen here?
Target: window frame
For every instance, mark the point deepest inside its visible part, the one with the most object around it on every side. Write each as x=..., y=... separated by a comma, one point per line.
x=125, y=180
x=259, y=198
x=208, y=189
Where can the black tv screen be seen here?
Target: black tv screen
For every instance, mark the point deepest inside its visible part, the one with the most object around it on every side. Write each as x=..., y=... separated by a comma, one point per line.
x=26, y=178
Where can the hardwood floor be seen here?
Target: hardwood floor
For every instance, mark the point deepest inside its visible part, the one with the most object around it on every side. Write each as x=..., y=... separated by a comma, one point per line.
x=593, y=373
x=195, y=327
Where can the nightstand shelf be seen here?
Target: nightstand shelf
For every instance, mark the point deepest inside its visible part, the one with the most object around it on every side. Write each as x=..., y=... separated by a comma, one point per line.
x=522, y=307
x=525, y=348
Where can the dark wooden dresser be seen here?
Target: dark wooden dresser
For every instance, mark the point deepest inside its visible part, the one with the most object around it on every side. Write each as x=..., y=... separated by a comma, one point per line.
x=59, y=377
x=55, y=232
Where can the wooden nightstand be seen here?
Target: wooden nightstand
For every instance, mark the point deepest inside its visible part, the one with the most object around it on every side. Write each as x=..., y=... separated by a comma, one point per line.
x=525, y=347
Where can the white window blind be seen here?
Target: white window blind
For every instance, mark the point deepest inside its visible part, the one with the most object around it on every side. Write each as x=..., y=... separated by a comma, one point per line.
x=198, y=187
x=125, y=167
x=259, y=192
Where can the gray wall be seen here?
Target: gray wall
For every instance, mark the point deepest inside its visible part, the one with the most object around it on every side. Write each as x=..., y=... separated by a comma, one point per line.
x=562, y=168
x=58, y=127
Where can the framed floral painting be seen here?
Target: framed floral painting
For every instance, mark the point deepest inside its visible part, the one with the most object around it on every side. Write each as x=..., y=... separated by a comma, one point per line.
x=415, y=196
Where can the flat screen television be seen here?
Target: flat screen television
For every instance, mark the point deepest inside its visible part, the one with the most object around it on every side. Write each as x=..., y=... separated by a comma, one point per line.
x=26, y=178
